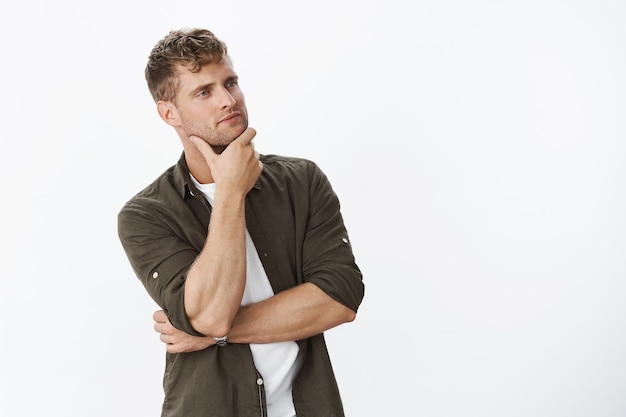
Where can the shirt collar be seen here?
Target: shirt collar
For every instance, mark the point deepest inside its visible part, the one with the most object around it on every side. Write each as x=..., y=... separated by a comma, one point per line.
x=182, y=180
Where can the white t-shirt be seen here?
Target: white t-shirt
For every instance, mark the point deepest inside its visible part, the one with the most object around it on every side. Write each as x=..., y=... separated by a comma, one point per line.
x=278, y=363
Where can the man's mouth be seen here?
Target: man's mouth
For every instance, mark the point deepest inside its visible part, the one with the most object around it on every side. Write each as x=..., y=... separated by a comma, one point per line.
x=230, y=117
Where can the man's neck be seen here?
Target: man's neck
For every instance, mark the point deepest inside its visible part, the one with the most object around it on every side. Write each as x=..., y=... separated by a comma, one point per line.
x=197, y=166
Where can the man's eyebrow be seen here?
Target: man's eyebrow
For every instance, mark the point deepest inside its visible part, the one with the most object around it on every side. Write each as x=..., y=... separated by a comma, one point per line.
x=209, y=85
x=200, y=88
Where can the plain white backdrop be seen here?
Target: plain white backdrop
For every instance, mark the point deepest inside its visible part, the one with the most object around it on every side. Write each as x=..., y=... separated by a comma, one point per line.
x=478, y=149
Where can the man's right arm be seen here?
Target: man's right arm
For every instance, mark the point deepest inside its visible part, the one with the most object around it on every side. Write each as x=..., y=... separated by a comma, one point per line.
x=215, y=282
x=199, y=289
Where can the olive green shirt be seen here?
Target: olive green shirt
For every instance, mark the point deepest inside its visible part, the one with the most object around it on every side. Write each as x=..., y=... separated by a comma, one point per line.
x=294, y=219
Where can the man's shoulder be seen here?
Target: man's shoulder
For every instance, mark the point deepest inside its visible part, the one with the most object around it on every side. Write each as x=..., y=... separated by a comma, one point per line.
x=284, y=159
x=155, y=192
x=282, y=172
x=288, y=163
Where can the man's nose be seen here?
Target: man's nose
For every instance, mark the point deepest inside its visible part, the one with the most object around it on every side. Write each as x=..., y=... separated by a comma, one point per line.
x=226, y=99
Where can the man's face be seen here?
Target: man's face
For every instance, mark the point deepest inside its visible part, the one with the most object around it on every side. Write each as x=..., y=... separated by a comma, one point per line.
x=211, y=104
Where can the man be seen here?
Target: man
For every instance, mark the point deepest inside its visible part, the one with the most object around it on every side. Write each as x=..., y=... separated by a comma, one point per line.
x=247, y=255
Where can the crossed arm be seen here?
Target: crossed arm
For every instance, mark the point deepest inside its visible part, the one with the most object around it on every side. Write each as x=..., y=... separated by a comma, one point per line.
x=215, y=282
x=294, y=314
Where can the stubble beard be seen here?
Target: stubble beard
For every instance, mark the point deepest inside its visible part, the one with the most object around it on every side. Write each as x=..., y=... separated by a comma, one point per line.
x=217, y=139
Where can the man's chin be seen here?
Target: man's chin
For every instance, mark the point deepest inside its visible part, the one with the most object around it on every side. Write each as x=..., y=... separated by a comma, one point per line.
x=218, y=149
x=240, y=129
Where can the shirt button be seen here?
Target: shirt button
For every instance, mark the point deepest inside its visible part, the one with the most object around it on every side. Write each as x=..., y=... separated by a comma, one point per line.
x=345, y=240
x=155, y=275
x=259, y=381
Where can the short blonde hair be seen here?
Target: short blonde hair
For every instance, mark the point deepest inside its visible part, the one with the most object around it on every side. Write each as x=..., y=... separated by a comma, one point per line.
x=192, y=48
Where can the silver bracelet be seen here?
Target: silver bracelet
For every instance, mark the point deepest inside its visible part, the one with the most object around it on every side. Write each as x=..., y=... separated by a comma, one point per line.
x=221, y=341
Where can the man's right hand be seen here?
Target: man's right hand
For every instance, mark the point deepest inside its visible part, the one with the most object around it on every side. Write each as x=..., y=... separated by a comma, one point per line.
x=238, y=167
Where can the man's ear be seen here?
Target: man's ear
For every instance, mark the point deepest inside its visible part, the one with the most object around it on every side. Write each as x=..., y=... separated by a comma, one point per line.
x=168, y=112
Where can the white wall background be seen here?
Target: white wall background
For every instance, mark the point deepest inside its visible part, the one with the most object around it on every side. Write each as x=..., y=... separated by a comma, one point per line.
x=478, y=149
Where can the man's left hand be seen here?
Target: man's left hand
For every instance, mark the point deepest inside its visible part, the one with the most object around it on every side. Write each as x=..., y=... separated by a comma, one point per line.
x=177, y=341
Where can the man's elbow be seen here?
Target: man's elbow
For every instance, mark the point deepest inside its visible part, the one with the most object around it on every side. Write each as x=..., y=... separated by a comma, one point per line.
x=348, y=315
x=208, y=327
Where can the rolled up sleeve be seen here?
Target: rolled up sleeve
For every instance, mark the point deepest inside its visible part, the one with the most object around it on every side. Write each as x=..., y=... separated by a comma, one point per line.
x=159, y=257
x=328, y=259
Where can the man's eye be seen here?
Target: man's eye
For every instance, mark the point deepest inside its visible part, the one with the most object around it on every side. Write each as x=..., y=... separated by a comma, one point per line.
x=231, y=84
x=203, y=93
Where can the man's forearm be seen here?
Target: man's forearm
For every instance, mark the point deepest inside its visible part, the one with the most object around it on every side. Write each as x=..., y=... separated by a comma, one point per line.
x=215, y=283
x=294, y=314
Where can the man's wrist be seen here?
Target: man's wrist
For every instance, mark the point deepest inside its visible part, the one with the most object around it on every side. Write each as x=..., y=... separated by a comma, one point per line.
x=221, y=341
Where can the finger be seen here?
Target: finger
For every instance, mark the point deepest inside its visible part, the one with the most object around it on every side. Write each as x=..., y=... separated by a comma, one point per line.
x=203, y=147
x=163, y=328
x=246, y=137
x=159, y=316
x=171, y=348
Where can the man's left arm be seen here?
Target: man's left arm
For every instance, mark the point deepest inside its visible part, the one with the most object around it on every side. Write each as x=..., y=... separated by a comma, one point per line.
x=294, y=314
x=332, y=285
